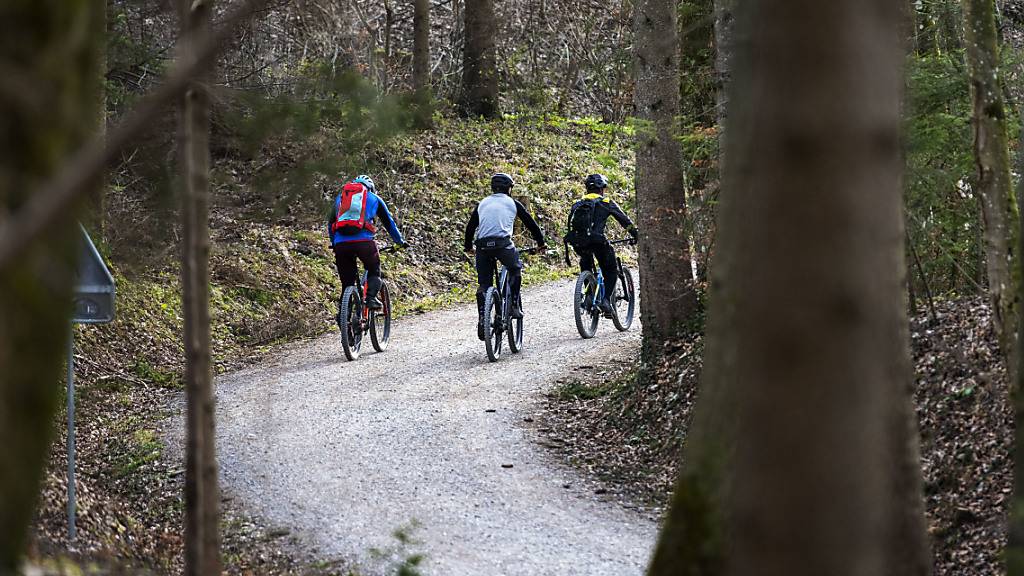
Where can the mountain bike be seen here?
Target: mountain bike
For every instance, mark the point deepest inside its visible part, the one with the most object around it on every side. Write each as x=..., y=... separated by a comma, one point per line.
x=498, y=321
x=590, y=291
x=355, y=319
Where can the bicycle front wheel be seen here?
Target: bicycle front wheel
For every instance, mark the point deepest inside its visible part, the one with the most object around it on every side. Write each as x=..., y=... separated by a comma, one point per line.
x=493, y=336
x=350, y=310
x=584, y=304
x=625, y=301
x=515, y=332
x=380, y=322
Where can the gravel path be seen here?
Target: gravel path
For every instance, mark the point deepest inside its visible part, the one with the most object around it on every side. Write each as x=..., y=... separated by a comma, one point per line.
x=343, y=453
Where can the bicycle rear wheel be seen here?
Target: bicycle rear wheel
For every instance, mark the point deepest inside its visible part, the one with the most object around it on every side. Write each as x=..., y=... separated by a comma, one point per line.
x=493, y=336
x=380, y=322
x=515, y=331
x=625, y=301
x=585, y=304
x=349, y=311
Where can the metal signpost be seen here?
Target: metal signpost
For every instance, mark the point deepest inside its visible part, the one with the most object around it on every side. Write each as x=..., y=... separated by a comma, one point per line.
x=93, y=304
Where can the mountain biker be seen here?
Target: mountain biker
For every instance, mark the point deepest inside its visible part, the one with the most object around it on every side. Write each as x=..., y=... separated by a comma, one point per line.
x=586, y=223
x=490, y=224
x=350, y=227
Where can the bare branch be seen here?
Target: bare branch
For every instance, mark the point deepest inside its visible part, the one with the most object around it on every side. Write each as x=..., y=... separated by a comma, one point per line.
x=47, y=205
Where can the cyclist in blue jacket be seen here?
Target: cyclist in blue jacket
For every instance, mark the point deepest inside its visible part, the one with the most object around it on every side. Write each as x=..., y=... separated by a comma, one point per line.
x=350, y=227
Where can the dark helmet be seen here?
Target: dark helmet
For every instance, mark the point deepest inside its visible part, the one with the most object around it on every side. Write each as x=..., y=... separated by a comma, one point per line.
x=502, y=182
x=596, y=182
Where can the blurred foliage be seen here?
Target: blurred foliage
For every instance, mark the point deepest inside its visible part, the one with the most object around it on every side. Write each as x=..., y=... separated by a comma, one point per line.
x=334, y=118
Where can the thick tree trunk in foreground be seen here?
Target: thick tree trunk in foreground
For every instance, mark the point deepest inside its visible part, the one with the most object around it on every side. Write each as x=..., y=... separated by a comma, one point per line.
x=668, y=301
x=992, y=159
x=789, y=468
x=202, y=497
x=44, y=116
x=479, y=66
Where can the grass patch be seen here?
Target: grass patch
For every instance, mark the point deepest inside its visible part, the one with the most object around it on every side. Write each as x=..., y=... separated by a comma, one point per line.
x=164, y=378
x=144, y=448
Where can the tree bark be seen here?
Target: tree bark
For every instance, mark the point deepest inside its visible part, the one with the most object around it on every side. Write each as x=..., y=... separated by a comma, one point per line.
x=98, y=210
x=668, y=301
x=1015, y=544
x=992, y=161
x=202, y=497
x=789, y=467
x=479, y=65
x=421, y=46
x=45, y=113
x=421, y=62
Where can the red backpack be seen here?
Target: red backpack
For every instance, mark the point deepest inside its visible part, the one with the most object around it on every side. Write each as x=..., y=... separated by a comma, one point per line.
x=351, y=216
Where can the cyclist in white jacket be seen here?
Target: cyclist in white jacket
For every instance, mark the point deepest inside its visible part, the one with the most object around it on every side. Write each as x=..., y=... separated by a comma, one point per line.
x=490, y=230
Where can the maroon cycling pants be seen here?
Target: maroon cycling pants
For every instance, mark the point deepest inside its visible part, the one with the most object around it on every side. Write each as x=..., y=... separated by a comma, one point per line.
x=345, y=256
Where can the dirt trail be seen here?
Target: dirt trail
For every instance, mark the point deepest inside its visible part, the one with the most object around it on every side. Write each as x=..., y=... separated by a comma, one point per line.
x=343, y=453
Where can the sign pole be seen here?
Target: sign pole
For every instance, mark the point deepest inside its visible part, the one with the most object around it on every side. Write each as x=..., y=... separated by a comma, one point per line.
x=71, y=432
x=93, y=304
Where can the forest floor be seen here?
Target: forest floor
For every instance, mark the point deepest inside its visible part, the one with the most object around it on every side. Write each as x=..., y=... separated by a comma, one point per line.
x=631, y=439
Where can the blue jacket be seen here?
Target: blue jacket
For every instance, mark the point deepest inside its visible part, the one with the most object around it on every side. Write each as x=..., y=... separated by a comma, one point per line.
x=375, y=207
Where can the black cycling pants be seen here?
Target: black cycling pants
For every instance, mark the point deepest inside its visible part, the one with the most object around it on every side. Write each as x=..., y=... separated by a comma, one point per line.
x=605, y=255
x=486, y=263
x=345, y=255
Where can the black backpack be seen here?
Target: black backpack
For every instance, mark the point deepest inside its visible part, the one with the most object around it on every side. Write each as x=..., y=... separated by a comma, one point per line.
x=581, y=222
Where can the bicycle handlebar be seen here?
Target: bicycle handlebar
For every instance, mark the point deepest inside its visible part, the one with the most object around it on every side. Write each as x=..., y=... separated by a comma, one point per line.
x=623, y=241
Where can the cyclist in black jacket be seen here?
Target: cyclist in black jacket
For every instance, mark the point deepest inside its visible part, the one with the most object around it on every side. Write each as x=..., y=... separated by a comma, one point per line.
x=586, y=224
x=490, y=228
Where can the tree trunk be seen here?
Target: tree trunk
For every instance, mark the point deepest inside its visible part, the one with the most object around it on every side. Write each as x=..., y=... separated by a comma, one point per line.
x=789, y=467
x=668, y=302
x=724, y=32
x=421, y=46
x=202, y=497
x=98, y=206
x=1015, y=544
x=45, y=116
x=992, y=160
x=479, y=67
x=421, y=62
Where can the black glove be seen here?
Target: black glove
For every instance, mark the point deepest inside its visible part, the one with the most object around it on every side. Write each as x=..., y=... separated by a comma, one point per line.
x=635, y=236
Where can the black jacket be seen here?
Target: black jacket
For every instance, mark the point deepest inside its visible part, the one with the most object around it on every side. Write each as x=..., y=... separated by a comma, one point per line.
x=604, y=208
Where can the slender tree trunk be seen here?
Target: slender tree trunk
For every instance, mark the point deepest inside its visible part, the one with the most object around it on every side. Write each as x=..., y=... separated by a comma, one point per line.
x=724, y=32
x=421, y=46
x=99, y=202
x=788, y=467
x=44, y=116
x=389, y=24
x=421, y=62
x=1015, y=544
x=202, y=496
x=479, y=65
x=992, y=160
x=668, y=302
